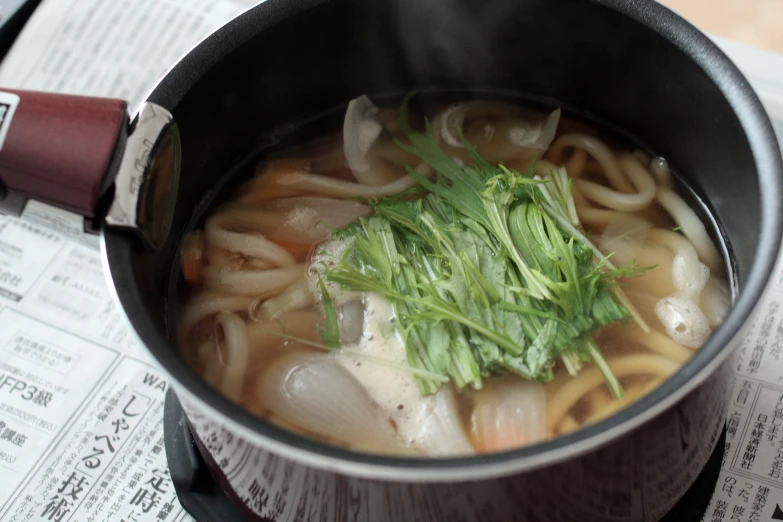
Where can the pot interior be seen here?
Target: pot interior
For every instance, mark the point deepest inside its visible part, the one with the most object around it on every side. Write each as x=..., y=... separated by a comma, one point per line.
x=619, y=65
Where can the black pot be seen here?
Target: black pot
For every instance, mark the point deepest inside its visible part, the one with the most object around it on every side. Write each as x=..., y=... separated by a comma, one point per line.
x=630, y=64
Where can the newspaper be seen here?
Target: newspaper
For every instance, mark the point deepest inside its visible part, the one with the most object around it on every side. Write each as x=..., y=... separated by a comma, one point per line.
x=81, y=402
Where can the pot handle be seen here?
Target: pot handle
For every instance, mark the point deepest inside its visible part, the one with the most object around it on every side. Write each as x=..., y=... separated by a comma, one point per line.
x=86, y=155
x=60, y=149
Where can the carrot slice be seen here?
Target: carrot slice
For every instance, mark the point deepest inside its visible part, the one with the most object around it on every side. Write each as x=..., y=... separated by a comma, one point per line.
x=265, y=185
x=193, y=257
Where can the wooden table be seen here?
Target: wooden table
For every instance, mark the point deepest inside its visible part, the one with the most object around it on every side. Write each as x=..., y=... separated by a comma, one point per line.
x=754, y=22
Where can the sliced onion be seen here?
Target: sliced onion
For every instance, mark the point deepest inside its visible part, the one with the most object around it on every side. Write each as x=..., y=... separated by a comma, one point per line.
x=715, y=301
x=536, y=135
x=352, y=321
x=508, y=413
x=318, y=394
x=360, y=130
x=451, y=121
x=683, y=320
x=624, y=235
x=689, y=282
x=310, y=220
x=439, y=430
x=305, y=220
x=530, y=132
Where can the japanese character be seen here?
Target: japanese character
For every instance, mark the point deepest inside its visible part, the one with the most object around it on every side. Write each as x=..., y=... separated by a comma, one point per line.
x=57, y=508
x=165, y=511
x=120, y=424
x=20, y=439
x=42, y=398
x=108, y=442
x=728, y=485
x=74, y=486
x=259, y=497
x=127, y=406
x=92, y=461
x=157, y=484
x=146, y=505
x=720, y=510
x=8, y=434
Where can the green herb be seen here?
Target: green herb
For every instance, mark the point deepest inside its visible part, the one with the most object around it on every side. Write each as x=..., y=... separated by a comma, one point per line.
x=488, y=273
x=331, y=333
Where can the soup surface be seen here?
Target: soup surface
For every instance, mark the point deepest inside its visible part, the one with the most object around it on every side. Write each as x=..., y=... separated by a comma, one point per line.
x=469, y=279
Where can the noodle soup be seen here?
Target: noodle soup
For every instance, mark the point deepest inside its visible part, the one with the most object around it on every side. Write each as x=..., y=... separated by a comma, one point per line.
x=472, y=281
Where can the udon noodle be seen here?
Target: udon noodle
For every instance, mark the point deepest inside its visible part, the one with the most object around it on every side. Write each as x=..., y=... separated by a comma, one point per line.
x=254, y=313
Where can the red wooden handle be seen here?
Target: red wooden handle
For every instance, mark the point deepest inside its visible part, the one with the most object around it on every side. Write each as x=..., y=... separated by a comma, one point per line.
x=60, y=149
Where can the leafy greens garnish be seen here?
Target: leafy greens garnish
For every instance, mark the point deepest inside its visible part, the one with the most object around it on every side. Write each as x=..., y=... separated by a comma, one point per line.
x=481, y=273
x=330, y=334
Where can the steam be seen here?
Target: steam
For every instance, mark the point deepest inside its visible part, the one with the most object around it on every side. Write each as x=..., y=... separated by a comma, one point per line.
x=446, y=39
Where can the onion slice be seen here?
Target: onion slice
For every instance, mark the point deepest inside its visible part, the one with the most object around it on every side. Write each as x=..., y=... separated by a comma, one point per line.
x=451, y=121
x=360, y=130
x=508, y=413
x=537, y=135
x=439, y=430
x=530, y=131
x=318, y=394
x=624, y=235
x=715, y=301
x=306, y=220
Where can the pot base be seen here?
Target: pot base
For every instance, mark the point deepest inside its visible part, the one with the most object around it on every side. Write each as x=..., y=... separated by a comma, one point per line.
x=205, y=500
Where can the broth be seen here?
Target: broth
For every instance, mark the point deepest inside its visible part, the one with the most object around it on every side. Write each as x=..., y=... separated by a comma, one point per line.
x=350, y=292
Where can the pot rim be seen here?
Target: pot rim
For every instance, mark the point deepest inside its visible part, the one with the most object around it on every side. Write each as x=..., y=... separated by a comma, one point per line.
x=117, y=248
